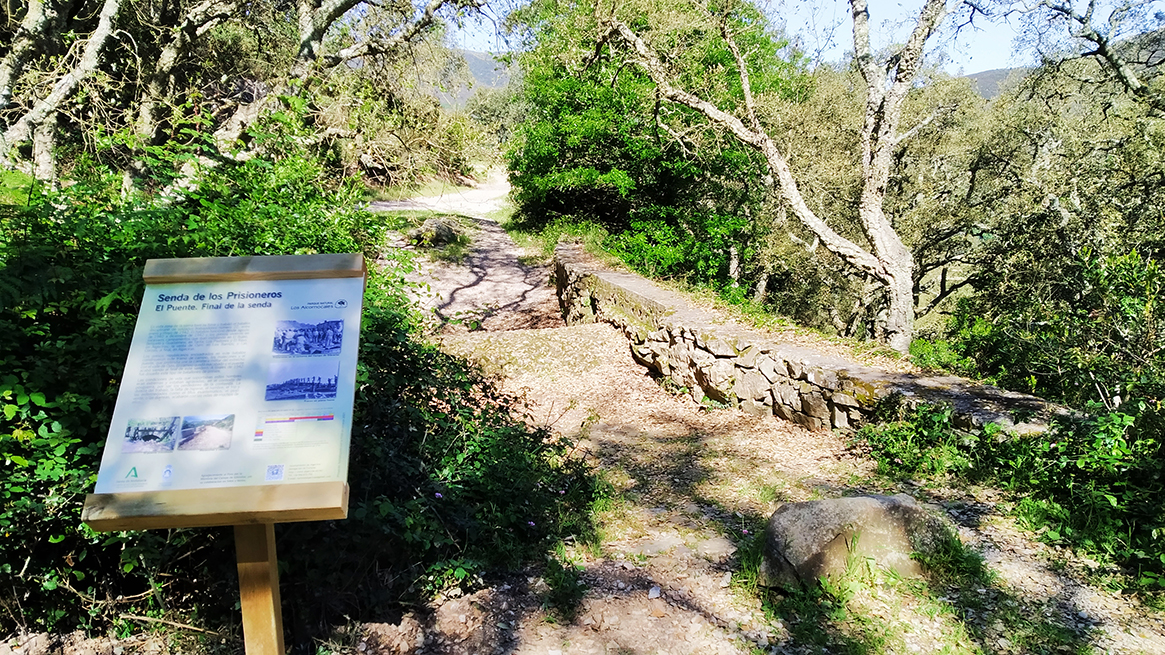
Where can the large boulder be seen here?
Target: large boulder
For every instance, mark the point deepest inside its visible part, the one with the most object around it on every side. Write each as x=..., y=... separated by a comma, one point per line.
x=436, y=232
x=810, y=540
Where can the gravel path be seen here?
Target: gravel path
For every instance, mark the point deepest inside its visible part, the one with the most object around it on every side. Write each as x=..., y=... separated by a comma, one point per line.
x=690, y=483
x=492, y=289
x=688, y=486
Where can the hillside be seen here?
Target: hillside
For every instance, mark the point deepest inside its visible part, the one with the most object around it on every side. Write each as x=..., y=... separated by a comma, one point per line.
x=487, y=73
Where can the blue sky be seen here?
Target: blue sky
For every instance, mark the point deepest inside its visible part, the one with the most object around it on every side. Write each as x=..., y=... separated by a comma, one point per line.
x=824, y=27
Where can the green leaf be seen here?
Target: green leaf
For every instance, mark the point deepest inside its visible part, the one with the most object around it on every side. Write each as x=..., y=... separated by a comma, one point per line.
x=38, y=398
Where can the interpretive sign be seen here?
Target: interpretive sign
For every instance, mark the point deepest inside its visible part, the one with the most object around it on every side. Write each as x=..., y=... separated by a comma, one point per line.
x=239, y=381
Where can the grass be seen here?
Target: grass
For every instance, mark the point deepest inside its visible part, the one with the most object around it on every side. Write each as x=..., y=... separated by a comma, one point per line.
x=960, y=607
x=542, y=239
x=15, y=188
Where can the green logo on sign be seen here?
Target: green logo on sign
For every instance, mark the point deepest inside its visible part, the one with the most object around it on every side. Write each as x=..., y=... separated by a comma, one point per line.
x=133, y=472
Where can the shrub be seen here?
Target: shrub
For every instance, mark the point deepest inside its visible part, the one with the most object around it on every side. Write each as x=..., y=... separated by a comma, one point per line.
x=1092, y=481
x=1096, y=332
x=445, y=482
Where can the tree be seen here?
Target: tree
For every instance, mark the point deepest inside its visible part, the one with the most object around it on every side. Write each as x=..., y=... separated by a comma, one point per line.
x=888, y=79
x=599, y=144
x=1122, y=36
x=168, y=67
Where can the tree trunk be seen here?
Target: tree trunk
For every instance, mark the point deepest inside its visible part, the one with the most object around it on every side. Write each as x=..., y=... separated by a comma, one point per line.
x=31, y=31
x=762, y=287
x=44, y=161
x=888, y=260
x=898, y=329
x=21, y=130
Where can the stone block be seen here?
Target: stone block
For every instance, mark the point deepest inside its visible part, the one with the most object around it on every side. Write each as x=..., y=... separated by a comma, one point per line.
x=773, y=369
x=838, y=417
x=751, y=385
x=844, y=399
x=796, y=369
x=747, y=358
x=717, y=381
x=787, y=394
x=755, y=407
x=855, y=417
x=717, y=346
x=814, y=405
x=809, y=422
x=784, y=411
x=702, y=359
x=821, y=377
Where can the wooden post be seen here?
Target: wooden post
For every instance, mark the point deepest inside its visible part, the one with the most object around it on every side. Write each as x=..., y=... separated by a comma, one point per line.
x=259, y=589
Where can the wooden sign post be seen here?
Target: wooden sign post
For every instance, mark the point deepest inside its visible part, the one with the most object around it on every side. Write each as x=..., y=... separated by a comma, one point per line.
x=236, y=409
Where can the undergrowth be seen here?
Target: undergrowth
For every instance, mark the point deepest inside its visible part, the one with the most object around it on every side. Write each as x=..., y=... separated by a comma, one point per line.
x=447, y=486
x=1092, y=482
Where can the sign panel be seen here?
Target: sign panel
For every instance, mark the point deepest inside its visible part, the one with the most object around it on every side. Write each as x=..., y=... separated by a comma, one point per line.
x=236, y=384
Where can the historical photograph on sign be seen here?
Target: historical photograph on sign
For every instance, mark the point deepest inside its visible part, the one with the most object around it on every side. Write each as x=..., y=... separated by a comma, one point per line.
x=295, y=338
x=151, y=435
x=207, y=432
x=302, y=379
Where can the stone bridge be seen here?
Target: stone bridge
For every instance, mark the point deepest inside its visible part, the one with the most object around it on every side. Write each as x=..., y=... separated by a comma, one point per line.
x=749, y=369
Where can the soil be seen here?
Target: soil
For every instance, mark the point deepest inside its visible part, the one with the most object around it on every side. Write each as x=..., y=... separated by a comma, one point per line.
x=693, y=482
x=689, y=485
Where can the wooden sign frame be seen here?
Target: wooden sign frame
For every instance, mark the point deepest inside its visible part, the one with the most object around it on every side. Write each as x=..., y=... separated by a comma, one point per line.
x=252, y=508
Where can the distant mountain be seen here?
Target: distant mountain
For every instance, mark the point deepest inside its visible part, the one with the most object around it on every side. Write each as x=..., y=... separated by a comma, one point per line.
x=486, y=70
x=487, y=73
x=991, y=83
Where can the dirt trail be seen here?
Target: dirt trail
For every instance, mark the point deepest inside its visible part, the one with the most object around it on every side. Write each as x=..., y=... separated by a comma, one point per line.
x=691, y=483
x=492, y=287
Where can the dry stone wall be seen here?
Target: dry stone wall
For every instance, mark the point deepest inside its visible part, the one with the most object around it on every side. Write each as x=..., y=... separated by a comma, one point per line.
x=747, y=369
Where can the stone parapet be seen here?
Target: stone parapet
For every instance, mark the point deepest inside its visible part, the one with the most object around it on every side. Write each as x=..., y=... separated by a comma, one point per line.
x=748, y=369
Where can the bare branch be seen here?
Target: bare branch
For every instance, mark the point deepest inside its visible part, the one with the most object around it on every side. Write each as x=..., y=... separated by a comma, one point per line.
x=371, y=47
x=778, y=166
x=912, y=132
x=21, y=130
x=1104, y=50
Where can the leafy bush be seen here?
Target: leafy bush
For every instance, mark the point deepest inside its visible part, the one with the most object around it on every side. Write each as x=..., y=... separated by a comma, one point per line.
x=1093, y=482
x=1093, y=332
x=445, y=483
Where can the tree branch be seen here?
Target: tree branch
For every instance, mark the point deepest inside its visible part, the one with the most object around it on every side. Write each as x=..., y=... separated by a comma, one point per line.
x=1105, y=52
x=30, y=32
x=21, y=130
x=778, y=166
x=371, y=47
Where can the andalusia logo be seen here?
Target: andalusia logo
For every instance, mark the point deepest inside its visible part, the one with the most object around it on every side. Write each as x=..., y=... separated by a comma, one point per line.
x=133, y=473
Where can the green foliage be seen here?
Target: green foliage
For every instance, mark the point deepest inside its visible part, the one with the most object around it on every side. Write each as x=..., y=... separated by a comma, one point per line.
x=597, y=146
x=1092, y=482
x=921, y=445
x=15, y=188
x=1095, y=332
x=445, y=484
x=566, y=588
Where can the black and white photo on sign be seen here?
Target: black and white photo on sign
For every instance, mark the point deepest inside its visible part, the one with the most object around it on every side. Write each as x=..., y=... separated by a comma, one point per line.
x=207, y=432
x=151, y=435
x=297, y=338
x=308, y=378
